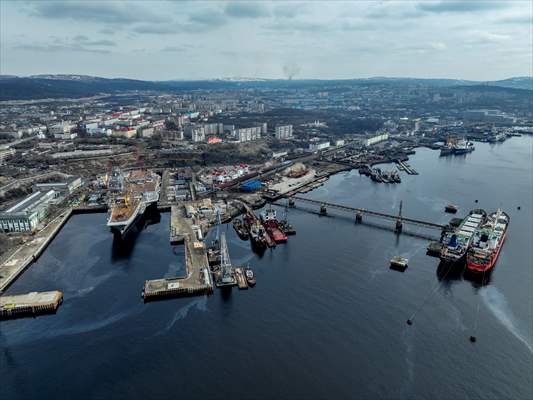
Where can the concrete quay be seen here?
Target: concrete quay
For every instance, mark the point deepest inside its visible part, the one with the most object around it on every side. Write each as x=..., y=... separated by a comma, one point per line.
x=30, y=304
x=28, y=252
x=198, y=277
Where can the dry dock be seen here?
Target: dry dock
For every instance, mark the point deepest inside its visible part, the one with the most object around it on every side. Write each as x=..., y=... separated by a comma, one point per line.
x=30, y=304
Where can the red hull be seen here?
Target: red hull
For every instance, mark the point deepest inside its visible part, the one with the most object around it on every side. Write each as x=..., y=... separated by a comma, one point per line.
x=475, y=267
x=274, y=232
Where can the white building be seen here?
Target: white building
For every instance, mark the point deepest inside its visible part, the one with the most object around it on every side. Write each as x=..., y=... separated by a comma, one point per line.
x=283, y=132
x=26, y=215
x=249, y=134
x=318, y=146
x=376, y=139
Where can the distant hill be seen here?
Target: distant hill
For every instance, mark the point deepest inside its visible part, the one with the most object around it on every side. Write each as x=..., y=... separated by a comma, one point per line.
x=74, y=86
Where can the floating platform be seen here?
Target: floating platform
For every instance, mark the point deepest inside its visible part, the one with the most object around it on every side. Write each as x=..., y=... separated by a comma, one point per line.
x=434, y=249
x=30, y=304
x=398, y=263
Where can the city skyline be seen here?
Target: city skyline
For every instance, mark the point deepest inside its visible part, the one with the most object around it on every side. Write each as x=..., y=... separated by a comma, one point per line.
x=478, y=40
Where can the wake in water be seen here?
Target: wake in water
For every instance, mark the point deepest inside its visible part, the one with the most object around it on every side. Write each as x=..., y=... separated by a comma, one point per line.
x=200, y=304
x=497, y=304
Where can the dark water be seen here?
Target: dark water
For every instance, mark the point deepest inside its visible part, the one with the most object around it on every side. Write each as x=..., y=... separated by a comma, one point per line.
x=326, y=319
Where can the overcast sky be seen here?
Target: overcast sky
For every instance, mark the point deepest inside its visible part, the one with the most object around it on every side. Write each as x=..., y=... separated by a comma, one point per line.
x=154, y=40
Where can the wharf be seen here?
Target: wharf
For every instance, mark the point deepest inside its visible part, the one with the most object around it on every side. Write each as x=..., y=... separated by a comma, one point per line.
x=198, y=278
x=178, y=228
x=30, y=304
x=28, y=252
x=403, y=166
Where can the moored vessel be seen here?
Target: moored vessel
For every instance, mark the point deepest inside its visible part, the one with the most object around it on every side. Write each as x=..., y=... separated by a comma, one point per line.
x=240, y=228
x=250, y=276
x=487, y=242
x=456, y=242
x=271, y=224
x=132, y=194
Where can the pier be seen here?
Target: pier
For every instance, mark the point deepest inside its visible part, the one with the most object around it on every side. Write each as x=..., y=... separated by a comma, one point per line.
x=30, y=304
x=399, y=219
x=403, y=166
x=198, y=277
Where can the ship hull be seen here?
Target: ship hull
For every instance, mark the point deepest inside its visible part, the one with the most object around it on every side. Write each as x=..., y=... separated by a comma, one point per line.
x=481, y=268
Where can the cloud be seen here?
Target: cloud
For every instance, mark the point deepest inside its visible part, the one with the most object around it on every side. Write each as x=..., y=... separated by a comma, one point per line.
x=484, y=38
x=298, y=26
x=106, y=12
x=518, y=19
x=452, y=6
x=160, y=29
x=176, y=49
x=53, y=48
x=208, y=18
x=247, y=10
x=84, y=40
x=79, y=44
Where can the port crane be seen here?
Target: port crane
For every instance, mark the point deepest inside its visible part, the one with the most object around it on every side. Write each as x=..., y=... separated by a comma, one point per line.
x=226, y=277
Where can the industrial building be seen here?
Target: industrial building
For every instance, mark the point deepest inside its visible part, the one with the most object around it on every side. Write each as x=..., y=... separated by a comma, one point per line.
x=64, y=187
x=26, y=215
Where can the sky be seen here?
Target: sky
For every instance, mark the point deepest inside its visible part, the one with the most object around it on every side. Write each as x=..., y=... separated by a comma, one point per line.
x=163, y=40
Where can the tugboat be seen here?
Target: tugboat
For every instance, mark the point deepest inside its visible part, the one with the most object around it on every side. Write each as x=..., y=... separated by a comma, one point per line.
x=285, y=226
x=240, y=229
x=250, y=276
x=451, y=208
x=487, y=242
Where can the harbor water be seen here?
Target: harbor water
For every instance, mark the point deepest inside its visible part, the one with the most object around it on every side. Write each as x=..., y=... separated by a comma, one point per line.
x=327, y=318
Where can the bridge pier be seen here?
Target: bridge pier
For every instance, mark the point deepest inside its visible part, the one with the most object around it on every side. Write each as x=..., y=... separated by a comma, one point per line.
x=323, y=210
x=398, y=227
x=291, y=202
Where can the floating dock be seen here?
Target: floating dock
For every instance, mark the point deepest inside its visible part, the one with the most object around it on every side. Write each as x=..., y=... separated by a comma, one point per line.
x=30, y=304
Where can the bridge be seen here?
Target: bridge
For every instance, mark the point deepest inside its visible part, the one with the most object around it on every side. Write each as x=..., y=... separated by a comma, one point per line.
x=359, y=212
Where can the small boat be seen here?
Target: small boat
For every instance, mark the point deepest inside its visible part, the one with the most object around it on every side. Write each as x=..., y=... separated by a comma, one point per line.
x=398, y=263
x=451, y=208
x=250, y=276
x=323, y=210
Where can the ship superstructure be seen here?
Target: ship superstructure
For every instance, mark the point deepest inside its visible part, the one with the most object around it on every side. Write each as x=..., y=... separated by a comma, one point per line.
x=137, y=190
x=487, y=242
x=457, y=242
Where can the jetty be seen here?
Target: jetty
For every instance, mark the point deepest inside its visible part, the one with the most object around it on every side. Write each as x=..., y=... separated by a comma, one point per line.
x=197, y=280
x=30, y=304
